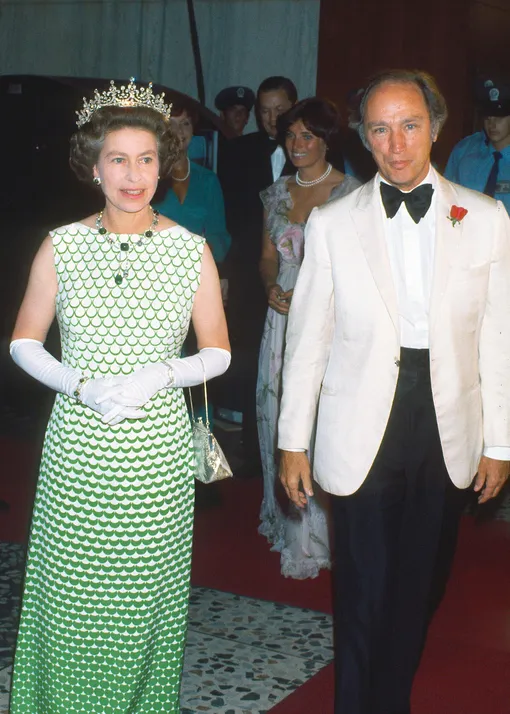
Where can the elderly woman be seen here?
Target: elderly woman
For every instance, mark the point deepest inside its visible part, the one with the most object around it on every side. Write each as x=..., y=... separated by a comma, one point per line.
x=105, y=604
x=306, y=129
x=194, y=198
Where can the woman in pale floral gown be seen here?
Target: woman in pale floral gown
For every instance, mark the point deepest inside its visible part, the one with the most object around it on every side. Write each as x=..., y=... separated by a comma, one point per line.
x=300, y=536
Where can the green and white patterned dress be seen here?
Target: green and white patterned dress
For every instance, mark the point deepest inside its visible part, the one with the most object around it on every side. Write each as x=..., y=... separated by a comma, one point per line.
x=105, y=606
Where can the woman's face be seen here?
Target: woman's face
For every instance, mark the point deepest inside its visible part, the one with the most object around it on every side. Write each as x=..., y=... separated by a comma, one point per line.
x=303, y=147
x=128, y=166
x=183, y=127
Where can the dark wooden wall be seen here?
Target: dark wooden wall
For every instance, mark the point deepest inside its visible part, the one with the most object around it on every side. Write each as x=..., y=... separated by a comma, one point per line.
x=451, y=39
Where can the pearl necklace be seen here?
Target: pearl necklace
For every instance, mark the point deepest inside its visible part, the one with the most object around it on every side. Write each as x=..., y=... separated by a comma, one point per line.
x=124, y=248
x=176, y=178
x=305, y=184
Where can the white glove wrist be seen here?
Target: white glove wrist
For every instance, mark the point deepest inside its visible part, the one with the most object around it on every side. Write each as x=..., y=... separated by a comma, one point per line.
x=31, y=356
x=171, y=375
x=79, y=387
x=139, y=387
x=189, y=371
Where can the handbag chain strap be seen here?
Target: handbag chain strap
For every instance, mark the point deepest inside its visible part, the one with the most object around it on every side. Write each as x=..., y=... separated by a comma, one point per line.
x=205, y=397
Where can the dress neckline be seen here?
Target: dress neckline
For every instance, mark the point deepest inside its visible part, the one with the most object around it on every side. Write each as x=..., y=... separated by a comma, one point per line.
x=162, y=230
x=291, y=204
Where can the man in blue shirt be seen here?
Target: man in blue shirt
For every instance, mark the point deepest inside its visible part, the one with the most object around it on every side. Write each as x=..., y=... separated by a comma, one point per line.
x=482, y=161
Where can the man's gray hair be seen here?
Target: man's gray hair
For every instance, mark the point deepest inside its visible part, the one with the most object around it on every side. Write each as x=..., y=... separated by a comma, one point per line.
x=434, y=100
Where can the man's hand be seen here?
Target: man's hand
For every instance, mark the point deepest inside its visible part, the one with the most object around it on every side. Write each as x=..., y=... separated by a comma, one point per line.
x=491, y=477
x=295, y=472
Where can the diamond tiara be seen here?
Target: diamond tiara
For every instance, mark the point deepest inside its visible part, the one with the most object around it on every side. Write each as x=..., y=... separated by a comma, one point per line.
x=130, y=96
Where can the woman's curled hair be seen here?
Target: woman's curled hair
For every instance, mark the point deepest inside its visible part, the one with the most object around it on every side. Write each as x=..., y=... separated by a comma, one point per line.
x=319, y=116
x=87, y=142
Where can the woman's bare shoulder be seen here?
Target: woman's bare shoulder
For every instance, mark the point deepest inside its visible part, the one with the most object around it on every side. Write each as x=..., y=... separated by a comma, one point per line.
x=89, y=221
x=336, y=177
x=165, y=222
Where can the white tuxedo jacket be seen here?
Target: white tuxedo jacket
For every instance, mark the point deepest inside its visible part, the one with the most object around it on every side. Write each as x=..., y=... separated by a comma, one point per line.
x=343, y=336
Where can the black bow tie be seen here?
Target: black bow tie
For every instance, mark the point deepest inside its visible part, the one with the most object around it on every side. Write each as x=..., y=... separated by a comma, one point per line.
x=417, y=201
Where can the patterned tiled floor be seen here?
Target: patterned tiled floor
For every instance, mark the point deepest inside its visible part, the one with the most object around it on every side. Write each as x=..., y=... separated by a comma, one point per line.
x=243, y=655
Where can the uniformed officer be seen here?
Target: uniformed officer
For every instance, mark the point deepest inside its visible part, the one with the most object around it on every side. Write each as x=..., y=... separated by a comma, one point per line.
x=235, y=105
x=482, y=161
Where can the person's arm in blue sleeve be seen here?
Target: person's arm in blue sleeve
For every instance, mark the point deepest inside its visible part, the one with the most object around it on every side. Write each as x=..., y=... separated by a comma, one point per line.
x=161, y=205
x=451, y=171
x=216, y=234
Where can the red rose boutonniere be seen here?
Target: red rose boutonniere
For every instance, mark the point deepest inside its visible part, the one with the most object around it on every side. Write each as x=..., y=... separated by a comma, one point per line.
x=457, y=213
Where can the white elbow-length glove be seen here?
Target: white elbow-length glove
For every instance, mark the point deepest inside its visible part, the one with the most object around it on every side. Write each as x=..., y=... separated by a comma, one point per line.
x=140, y=386
x=31, y=356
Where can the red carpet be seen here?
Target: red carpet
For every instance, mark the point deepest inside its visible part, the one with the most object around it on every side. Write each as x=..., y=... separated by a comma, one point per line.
x=18, y=473
x=230, y=555
x=466, y=665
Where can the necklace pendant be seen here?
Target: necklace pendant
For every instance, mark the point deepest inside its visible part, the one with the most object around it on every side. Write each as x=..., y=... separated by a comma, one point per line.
x=124, y=248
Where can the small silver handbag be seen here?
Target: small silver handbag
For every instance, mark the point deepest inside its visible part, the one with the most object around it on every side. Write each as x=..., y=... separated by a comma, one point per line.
x=210, y=461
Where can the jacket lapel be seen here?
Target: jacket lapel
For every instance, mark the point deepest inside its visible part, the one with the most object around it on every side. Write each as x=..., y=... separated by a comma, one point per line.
x=367, y=220
x=447, y=238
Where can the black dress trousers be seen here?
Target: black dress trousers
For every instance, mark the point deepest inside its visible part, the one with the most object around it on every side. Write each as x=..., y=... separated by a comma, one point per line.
x=394, y=541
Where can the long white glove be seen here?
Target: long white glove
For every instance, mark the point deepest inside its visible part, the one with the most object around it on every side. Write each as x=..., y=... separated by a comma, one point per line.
x=140, y=386
x=31, y=356
x=92, y=395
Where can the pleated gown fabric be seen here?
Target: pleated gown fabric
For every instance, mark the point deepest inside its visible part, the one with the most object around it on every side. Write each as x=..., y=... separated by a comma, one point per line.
x=105, y=603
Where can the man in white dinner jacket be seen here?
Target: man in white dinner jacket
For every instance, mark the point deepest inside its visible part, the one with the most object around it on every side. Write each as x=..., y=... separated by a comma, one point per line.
x=399, y=334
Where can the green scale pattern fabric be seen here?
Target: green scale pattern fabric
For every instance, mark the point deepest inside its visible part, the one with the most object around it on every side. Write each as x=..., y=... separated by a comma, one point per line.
x=105, y=605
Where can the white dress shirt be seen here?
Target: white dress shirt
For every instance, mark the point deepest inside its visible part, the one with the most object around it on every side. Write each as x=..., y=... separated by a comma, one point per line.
x=411, y=248
x=278, y=160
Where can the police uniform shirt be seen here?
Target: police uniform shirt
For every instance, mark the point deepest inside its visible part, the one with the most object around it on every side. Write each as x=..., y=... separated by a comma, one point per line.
x=470, y=164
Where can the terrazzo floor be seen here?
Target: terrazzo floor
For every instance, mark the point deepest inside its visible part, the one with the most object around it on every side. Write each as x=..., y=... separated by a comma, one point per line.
x=243, y=655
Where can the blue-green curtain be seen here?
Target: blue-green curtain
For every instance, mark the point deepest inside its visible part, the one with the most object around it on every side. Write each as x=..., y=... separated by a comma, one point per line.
x=242, y=41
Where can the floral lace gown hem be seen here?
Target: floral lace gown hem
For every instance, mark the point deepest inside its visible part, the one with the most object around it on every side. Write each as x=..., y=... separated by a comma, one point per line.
x=301, y=536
